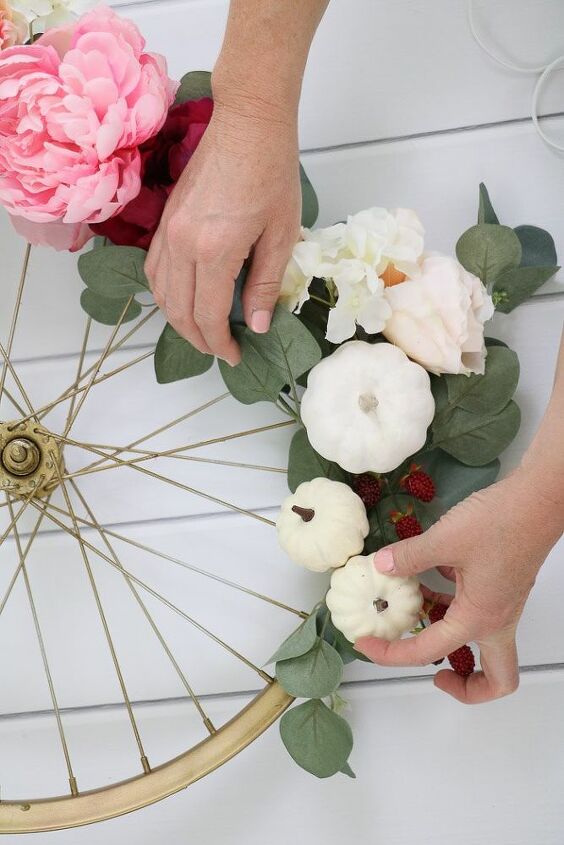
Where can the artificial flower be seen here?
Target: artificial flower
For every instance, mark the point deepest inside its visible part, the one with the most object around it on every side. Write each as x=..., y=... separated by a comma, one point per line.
x=303, y=266
x=163, y=158
x=74, y=108
x=13, y=26
x=382, y=238
x=360, y=302
x=42, y=15
x=438, y=319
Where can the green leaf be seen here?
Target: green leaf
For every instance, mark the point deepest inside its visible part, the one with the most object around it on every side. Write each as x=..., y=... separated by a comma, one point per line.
x=305, y=464
x=486, y=213
x=194, y=86
x=310, y=203
x=487, y=250
x=477, y=440
x=488, y=393
x=346, y=770
x=114, y=271
x=316, y=738
x=301, y=640
x=271, y=360
x=336, y=638
x=315, y=674
x=176, y=358
x=108, y=311
x=515, y=286
x=455, y=481
x=539, y=249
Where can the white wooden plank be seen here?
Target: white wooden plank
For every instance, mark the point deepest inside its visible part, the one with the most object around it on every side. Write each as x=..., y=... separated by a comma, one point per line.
x=438, y=176
x=387, y=69
x=428, y=769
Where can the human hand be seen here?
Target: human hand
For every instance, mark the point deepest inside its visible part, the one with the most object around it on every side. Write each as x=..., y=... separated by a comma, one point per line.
x=239, y=194
x=493, y=545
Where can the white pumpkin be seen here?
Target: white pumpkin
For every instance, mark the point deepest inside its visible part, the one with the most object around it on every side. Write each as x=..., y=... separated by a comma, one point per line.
x=367, y=407
x=322, y=525
x=365, y=603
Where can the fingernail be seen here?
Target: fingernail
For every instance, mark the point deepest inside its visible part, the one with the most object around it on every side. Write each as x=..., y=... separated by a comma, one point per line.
x=260, y=321
x=384, y=561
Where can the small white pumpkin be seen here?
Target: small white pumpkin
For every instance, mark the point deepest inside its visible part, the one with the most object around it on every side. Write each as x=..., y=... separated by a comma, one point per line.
x=365, y=603
x=367, y=407
x=322, y=525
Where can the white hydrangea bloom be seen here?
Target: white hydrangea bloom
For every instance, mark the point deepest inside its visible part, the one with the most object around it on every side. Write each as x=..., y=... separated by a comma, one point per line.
x=381, y=237
x=361, y=300
x=302, y=267
x=47, y=14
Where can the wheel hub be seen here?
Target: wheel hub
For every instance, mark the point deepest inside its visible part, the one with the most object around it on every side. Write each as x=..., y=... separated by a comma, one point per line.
x=30, y=459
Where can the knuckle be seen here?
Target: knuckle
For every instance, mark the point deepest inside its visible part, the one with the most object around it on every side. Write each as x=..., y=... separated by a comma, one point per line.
x=209, y=246
x=507, y=687
x=204, y=316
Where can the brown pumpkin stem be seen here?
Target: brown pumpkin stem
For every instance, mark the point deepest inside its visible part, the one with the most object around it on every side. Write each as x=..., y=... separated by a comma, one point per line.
x=380, y=605
x=306, y=514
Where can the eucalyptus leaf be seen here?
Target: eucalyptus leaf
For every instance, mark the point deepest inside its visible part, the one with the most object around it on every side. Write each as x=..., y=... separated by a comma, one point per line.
x=301, y=640
x=176, y=358
x=194, y=86
x=515, y=286
x=539, y=249
x=271, y=360
x=336, y=638
x=310, y=203
x=488, y=393
x=477, y=440
x=116, y=272
x=486, y=213
x=108, y=311
x=454, y=481
x=305, y=464
x=487, y=250
x=315, y=674
x=346, y=770
x=316, y=738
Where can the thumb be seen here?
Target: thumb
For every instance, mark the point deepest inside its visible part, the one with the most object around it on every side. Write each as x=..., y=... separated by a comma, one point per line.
x=262, y=287
x=409, y=557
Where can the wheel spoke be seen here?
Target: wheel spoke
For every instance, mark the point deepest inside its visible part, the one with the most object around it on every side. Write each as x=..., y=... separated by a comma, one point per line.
x=171, y=481
x=41, y=642
x=144, y=761
x=69, y=391
x=15, y=313
x=78, y=372
x=25, y=397
x=97, y=366
x=18, y=568
x=163, y=556
x=118, y=450
x=14, y=519
x=97, y=467
x=205, y=718
x=264, y=675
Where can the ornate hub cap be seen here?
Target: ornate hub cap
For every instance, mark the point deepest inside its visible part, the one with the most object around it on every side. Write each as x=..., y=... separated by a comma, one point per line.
x=29, y=456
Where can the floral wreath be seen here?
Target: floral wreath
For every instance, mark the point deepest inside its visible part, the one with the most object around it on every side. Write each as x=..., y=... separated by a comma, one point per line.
x=377, y=347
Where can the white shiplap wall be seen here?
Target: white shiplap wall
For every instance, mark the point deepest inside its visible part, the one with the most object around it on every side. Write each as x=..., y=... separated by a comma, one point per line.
x=400, y=107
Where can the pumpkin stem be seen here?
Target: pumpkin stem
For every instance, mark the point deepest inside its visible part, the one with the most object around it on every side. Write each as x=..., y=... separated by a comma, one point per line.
x=306, y=514
x=380, y=605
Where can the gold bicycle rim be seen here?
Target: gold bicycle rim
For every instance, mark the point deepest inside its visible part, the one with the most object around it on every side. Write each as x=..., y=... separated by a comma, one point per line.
x=38, y=816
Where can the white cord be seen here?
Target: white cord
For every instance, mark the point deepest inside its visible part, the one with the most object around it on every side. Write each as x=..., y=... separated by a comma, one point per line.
x=543, y=71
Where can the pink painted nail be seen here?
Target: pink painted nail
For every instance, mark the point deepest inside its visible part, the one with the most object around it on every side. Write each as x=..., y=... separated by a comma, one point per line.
x=384, y=561
x=260, y=321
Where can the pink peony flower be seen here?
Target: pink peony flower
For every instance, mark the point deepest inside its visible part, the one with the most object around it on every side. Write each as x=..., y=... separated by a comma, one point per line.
x=74, y=108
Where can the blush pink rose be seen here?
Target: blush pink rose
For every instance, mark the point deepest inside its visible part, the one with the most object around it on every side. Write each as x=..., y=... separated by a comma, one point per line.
x=74, y=108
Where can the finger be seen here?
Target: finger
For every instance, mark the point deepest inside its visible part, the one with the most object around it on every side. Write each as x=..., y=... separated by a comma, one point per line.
x=212, y=306
x=179, y=305
x=410, y=557
x=434, y=597
x=435, y=642
x=262, y=286
x=499, y=675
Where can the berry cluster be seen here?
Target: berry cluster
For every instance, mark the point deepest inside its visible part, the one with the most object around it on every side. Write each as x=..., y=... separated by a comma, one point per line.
x=462, y=660
x=418, y=484
x=369, y=488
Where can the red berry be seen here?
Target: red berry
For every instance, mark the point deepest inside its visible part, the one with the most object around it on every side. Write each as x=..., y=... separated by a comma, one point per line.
x=437, y=612
x=369, y=488
x=408, y=526
x=462, y=661
x=419, y=484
